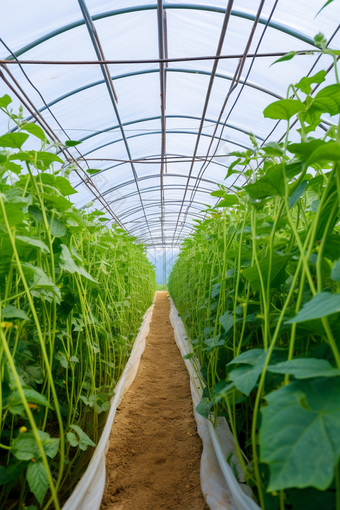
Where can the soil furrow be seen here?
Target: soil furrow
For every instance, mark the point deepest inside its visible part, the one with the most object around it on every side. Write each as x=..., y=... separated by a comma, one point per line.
x=154, y=458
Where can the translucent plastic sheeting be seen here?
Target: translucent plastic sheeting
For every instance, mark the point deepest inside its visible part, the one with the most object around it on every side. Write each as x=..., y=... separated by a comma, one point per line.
x=128, y=29
x=220, y=488
x=88, y=493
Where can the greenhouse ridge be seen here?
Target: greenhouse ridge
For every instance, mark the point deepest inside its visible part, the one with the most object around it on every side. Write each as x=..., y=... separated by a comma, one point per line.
x=157, y=193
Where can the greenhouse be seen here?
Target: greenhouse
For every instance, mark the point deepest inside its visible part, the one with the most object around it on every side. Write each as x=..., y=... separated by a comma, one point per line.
x=170, y=255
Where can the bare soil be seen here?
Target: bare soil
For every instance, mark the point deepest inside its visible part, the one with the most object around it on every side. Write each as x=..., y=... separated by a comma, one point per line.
x=154, y=458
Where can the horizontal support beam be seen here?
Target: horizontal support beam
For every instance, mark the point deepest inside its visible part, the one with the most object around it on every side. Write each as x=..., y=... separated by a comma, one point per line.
x=148, y=7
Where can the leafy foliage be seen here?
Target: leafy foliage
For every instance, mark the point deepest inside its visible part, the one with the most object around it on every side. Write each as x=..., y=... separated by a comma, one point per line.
x=257, y=286
x=72, y=296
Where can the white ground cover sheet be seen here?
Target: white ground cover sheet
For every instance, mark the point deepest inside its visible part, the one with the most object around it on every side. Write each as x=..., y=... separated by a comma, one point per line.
x=89, y=491
x=218, y=483
x=220, y=488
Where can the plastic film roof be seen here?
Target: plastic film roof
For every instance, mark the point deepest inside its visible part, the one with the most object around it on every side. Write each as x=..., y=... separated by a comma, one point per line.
x=144, y=151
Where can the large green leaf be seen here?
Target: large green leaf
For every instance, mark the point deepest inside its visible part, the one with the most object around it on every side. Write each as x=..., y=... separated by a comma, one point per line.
x=270, y=184
x=228, y=201
x=203, y=408
x=294, y=197
x=321, y=305
x=37, y=480
x=305, y=83
x=227, y=320
x=300, y=434
x=13, y=140
x=14, y=403
x=336, y=272
x=35, y=130
x=328, y=99
x=40, y=279
x=329, y=151
x=283, y=109
x=57, y=228
x=278, y=263
x=33, y=242
x=12, y=312
x=80, y=438
x=5, y=101
x=68, y=264
x=14, y=214
x=305, y=368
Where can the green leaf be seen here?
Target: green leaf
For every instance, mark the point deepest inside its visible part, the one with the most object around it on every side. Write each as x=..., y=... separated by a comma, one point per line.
x=37, y=480
x=67, y=262
x=189, y=356
x=39, y=158
x=25, y=447
x=227, y=320
x=248, y=357
x=297, y=193
x=57, y=228
x=283, y=109
x=278, y=263
x=272, y=149
x=305, y=368
x=32, y=397
x=14, y=213
x=305, y=83
x=325, y=5
x=63, y=185
x=13, y=140
x=335, y=275
x=203, y=408
x=72, y=143
x=271, y=184
x=12, y=312
x=300, y=434
x=321, y=305
x=287, y=56
x=328, y=99
x=83, y=440
x=228, y=201
x=35, y=130
x=320, y=41
x=59, y=203
x=5, y=101
x=34, y=242
x=92, y=171
x=330, y=151
x=4, y=478
x=40, y=279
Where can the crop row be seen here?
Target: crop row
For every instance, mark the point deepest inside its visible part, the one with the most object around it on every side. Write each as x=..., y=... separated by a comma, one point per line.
x=257, y=286
x=73, y=291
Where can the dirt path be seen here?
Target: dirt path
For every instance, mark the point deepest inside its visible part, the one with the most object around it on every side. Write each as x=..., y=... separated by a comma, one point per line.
x=154, y=457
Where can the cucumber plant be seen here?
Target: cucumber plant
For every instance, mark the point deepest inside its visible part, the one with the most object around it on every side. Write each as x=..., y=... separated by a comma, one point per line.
x=72, y=295
x=258, y=287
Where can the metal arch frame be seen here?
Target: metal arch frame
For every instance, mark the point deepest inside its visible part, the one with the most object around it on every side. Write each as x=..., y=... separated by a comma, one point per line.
x=135, y=210
x=157, y=133
x=169, y=187
x=170, y=213
x=186, y=228
x=105, y=71
x=162, y=83
x=122, y=184
x=180, y=6
x=155, y=176
x=233, y=86
x=151, y=71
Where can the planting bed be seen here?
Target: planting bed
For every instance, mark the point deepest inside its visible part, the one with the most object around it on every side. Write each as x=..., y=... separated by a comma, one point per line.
x=155, y=452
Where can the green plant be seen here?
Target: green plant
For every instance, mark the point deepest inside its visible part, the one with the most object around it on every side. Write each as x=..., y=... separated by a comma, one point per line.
x=257, y=286
x=72, y=296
